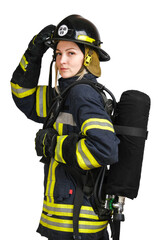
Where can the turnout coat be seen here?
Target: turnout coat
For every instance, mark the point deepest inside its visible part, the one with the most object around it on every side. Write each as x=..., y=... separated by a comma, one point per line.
x=83, y=112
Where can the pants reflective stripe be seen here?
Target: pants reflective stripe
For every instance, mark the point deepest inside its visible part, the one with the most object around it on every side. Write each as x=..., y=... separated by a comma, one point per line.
x=98, y=123
x=41, y=105
x=21, y=92
x=67, y=225
x=85, y=159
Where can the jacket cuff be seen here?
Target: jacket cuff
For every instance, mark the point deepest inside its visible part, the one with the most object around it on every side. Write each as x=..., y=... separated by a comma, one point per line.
x=65, y=151
x=27, y=72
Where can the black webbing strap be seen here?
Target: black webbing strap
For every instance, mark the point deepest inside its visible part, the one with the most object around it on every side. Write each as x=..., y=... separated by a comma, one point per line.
x=80, y=180
x=76, y=212
x=131, y=131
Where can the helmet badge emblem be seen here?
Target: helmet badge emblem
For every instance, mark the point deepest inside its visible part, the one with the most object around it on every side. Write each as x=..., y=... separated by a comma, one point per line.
x=63, y=30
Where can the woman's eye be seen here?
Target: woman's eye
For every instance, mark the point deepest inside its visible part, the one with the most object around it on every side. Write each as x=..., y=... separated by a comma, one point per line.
x=71, y=53
x=58, y=54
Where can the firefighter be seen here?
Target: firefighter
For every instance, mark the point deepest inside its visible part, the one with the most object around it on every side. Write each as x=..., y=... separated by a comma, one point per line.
x=82, y=137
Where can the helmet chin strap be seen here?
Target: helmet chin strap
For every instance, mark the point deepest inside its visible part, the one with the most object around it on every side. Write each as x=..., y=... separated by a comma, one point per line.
x=88, y=58
x=49, y=94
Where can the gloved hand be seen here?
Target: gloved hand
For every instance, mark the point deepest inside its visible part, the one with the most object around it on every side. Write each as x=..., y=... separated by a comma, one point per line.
x=27, y=72
x=37, y=45
x=45, y=142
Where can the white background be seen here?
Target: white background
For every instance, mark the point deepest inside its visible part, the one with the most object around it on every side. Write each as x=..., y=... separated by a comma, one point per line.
x=130, y=31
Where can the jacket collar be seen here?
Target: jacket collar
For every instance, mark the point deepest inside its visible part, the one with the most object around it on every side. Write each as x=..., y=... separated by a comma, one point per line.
x=65, y=82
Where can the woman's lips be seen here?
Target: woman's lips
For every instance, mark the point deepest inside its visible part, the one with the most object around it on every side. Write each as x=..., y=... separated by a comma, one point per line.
x=63, y=69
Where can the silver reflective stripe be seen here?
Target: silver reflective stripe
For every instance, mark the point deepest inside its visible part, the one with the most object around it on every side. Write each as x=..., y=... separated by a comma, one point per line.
x=84, y=156
x=102, y=124
x=63, y=210
x=41, y=101
x=41, y=105
x=24, y=63
x=21, y=92
x=56, y=224
x=51, y=180
x=52, y=161
x=65, y=118
x=97, y=123
x=69, y=223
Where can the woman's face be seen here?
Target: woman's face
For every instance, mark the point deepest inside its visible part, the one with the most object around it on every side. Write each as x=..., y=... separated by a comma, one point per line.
x=69, y=58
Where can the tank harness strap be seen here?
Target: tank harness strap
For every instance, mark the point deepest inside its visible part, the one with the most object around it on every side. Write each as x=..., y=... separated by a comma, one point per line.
x=78, y=201
x=131, y=131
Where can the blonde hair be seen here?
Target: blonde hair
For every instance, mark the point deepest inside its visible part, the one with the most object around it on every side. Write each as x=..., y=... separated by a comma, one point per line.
x=56, y=78
x=81, y=74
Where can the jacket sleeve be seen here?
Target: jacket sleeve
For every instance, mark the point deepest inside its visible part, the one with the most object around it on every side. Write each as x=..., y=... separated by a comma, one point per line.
x=31, y=101
x=98, y=144
x=28, y=97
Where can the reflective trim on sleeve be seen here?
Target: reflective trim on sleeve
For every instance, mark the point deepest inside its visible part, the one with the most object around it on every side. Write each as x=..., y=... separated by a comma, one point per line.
x=58, y=127
x=58, y=150
x=98, y=123
x=84, y=157
x=66, y=118
x=21, y=92
x=23, y=63
x=41, y=104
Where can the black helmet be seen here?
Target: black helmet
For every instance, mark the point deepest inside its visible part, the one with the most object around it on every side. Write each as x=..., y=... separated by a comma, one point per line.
x=78, y=29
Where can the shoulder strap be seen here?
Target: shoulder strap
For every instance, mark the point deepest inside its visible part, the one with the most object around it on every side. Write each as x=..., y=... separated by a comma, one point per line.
x=58, y=101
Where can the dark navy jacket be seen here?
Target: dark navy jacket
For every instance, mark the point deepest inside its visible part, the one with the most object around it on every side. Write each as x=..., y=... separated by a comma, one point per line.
x=84, y=113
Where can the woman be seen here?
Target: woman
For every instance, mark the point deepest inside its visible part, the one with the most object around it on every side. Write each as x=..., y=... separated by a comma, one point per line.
x=81, y=138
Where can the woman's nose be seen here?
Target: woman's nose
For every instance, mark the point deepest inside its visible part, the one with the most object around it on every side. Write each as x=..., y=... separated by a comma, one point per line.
x=63, y=58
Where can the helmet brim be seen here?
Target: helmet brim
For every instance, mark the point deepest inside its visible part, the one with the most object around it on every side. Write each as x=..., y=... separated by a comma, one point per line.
x=103, y=56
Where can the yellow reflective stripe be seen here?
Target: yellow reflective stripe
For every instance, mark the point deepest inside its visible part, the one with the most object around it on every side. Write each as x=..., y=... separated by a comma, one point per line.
x=23, y=63
x=59, y=128
x=67, y=225
x=67, y=210
x=41, y=104
x=44, y=101
x=37, y=101
x=21, y=92
x=85, y=38
x=97, y=123
x=34, y=39
x=55, y=126
x=51, y=180
x=58, y=150
x=44, y=149
x=56, y=224
x=80, y=160
x=84, y=157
